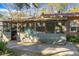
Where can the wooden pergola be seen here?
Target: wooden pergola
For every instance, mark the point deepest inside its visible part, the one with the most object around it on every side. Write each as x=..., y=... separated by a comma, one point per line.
x=61, y=17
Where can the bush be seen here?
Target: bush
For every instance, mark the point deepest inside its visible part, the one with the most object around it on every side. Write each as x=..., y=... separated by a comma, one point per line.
x=2, y=46
x=4, y=50
x=73, y=38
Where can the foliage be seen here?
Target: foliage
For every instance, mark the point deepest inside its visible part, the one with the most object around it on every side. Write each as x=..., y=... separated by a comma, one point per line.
x=43, y=10
x=21, y=5
x=75, y=9
x=36, y=5
x=4, y=50
x=73, y=38
x=1, y=15
x=59, y=6
x=2, y=45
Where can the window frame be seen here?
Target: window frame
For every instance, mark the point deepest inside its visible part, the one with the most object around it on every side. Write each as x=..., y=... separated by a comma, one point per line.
x=73, y=24
x=74, y=30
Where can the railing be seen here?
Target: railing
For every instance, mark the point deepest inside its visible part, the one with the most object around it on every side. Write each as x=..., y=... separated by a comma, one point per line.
x=50, y=37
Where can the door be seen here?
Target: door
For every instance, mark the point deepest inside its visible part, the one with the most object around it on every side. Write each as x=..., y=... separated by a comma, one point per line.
x=14, y=32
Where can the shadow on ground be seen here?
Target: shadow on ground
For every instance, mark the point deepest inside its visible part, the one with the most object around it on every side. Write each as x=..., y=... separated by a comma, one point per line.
x=43, y=49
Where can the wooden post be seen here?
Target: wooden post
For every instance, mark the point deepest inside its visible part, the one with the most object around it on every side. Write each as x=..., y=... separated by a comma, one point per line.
x=35, y=26
x=17, y=31
x=67, y=27
x=34, y=32
x=55, y=26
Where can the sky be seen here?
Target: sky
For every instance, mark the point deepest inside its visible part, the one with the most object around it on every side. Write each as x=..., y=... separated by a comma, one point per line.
x=1, y=7
x=44, y=5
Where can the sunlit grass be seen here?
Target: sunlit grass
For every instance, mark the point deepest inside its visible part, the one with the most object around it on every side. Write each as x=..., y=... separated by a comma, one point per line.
x=24, y=43
x=56, y=54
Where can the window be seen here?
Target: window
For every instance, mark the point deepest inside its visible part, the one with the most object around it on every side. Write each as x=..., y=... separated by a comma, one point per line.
x=20, y=27
x=7, y=27
x=40, y=27
x=73, y=26
x=60, y=27
x=73, y=29
x=50, y=26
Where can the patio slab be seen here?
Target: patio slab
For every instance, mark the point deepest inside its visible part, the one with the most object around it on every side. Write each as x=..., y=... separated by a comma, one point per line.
x=44, y=49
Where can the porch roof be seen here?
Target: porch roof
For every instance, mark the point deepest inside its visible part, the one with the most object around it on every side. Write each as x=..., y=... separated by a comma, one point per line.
x=61, y=16
x=35, y=19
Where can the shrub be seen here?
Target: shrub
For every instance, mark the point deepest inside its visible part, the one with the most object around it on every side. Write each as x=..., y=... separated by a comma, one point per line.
x=2, y=45
x=4, y=50
x=73, y=38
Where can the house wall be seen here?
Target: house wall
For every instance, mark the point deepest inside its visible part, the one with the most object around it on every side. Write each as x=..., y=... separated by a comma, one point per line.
x=1, y=30
x=42, y=35
x=6, y=36
x=68, y=32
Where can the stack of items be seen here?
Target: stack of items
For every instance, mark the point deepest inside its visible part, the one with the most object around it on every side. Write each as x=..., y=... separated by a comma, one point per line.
x=28, y=39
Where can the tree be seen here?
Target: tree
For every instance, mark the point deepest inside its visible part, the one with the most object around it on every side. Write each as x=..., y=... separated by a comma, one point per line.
x=36, y=5
x=59, y=6
x=1, y=15
x=16, y=6
x=43, y=11
x=27, y=5
x=21, y=5
x=7, y=8
x=74, y=9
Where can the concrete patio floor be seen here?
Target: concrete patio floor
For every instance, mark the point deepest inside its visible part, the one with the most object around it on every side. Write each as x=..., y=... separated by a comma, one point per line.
x=43, y=49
